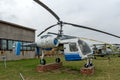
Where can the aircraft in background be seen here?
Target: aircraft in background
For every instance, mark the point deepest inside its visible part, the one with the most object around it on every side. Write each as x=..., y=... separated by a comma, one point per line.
x=74, y=49
x=105, y=49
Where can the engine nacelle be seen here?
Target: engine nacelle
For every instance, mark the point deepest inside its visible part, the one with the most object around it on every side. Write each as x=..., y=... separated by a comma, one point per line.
x=48, y=42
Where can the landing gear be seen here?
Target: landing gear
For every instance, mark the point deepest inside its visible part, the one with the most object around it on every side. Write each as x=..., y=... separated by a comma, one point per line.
x=42, y=61
x=57, y=60
x=89, y=63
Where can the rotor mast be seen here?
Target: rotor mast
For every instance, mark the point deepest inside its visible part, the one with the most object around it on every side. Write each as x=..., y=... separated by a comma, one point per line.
x=60, y=32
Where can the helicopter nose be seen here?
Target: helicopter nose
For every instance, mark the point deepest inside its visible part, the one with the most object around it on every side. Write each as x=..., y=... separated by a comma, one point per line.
x=56, y=42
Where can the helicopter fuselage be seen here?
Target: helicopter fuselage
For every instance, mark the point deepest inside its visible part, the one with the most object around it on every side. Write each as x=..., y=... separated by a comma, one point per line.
x=76, y=49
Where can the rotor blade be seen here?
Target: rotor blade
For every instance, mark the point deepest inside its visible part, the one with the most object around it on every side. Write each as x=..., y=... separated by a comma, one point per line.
x=63, y=36
x=75, y=25
x=52, y=33
x=48, y=9
x=83, y=38
x=47, y=29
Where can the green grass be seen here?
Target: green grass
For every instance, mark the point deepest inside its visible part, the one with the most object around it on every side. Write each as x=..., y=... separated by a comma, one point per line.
x=104, y=70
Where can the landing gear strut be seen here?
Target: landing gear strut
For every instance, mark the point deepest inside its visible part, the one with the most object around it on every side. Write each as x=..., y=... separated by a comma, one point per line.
x=89, y=63
x=57, y=60
x=42, y=60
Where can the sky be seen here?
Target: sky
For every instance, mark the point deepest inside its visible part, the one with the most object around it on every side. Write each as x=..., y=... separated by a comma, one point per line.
x=99, y=14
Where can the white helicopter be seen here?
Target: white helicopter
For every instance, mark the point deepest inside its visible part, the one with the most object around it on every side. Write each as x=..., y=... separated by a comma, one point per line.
x=74, y=49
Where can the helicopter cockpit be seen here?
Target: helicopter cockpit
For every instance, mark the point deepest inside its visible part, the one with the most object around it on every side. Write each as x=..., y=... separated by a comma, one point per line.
x=76, y=49
x=85, y=49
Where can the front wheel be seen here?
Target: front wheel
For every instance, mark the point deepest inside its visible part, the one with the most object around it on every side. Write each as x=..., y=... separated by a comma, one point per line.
x=43, y=61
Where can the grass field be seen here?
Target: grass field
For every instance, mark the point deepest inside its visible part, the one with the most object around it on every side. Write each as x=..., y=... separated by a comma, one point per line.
x=104, y=70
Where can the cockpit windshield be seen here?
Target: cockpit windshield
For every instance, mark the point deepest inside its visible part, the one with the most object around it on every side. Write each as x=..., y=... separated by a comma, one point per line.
x=84, y=47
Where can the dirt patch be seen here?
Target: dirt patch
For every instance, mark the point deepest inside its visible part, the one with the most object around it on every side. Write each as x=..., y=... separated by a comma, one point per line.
x=65, y=70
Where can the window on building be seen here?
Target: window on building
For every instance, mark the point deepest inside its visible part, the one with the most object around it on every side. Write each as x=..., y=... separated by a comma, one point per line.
x=10, y=44
x=27, y=47
x=0, y=44
x=23, y=47
x=4, y=44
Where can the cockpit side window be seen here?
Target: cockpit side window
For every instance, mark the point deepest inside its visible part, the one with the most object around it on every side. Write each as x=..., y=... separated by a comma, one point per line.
x=84, y=47
x=73, y=47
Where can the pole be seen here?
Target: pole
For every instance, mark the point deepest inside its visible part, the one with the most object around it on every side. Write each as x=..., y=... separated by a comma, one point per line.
x=21, y=76
x=4, y=60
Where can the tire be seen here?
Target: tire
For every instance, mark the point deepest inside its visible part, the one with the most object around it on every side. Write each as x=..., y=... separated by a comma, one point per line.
x=118, y=55
x=57, y=60
x=42, y=61
x=86, y=66
x=91, y=64
x=95, y=58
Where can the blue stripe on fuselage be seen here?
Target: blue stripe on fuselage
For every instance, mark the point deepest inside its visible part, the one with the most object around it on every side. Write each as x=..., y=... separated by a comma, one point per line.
x=72, y=56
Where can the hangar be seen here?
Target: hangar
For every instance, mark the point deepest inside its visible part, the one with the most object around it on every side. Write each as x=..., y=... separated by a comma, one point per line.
x=10, y=33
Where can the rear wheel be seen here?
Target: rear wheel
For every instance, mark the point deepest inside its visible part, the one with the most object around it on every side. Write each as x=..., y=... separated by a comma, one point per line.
x=57, y=60
x=91, y=64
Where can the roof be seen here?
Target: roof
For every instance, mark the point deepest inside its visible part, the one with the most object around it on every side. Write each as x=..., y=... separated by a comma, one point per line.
x=13, y=24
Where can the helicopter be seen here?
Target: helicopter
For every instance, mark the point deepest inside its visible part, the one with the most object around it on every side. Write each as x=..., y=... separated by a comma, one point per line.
x=74, y=49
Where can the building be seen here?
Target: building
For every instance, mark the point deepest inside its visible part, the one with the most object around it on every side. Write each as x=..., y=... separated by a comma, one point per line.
x=10, y=33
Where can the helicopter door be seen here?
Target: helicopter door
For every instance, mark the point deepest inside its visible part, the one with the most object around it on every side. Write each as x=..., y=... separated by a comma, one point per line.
x=71, y=52
x=85, y=49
